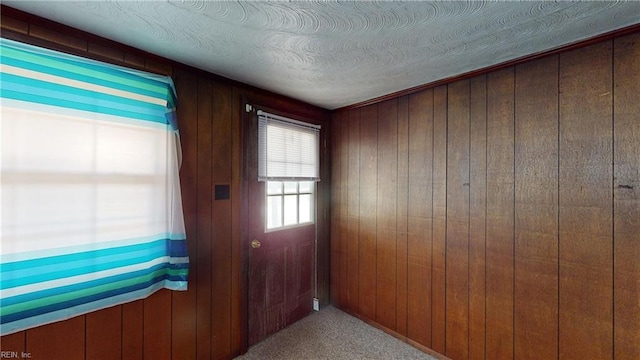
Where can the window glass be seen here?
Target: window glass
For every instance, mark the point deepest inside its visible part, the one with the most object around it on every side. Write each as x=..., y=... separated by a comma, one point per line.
x=274, y=212
x=274, y=187
x=290, y=187
x=290, y=210
x=306, y=186
x=289, y=203
x=305, y=208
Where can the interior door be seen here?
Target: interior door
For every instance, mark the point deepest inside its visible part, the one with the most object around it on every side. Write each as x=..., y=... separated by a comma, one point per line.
x=281, y=262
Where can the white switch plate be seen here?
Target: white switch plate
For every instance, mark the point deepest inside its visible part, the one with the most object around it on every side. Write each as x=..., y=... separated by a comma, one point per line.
x=316, y=304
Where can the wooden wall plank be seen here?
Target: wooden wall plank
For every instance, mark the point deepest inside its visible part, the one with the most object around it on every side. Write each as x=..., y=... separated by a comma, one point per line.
x=336, y=206
x=60, y=340
x=345, y=221
x=353, y=211
x=626, y=105
x=204, y=201
x=477, y=214
x=106, y=52
x=386, y=214
x=133, y=330
x=238, y=229
x=221, y=166
x=585, y=193
x=500, y=205
x=136, y=62
x=419, y=215
x=457, y=246
x=57, y=37
x=183, y=309
x=536, y=210
x=221, y=260
x=15, y=342
x=439, y=198
x=402, y=216
x=368, y=188
x=13, y=24
x=157, y=326
x=102, y=338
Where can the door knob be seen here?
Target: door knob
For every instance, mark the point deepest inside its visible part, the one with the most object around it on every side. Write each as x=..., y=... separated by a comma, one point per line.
x=255, y=244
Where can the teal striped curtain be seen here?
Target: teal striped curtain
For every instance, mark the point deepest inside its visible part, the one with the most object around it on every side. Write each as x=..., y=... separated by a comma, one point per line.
x=91, y=213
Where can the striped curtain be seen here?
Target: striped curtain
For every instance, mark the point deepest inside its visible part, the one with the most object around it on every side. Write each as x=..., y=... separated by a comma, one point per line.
x=91, y=213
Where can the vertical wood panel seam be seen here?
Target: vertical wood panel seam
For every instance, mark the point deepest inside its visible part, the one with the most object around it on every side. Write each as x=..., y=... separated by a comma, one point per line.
x=231, y=219
x=142, y=335
x=375, y=297
x=446, y=210
x=358, y=310
x=446, y=214
x=170, y=326
x=396, y=203
x=513, y=218
x=433, y=137
x=405, y=332
x=613, y=204
x=558, y=211
x=122, y=331
x=469, y=222
x=212, y=228
x=486, y=189
x=406, y=299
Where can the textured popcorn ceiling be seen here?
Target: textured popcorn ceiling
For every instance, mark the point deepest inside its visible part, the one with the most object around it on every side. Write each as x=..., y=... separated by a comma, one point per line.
x=334, y=54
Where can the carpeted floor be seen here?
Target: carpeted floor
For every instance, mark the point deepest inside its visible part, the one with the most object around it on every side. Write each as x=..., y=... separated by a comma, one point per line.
x=332, y=334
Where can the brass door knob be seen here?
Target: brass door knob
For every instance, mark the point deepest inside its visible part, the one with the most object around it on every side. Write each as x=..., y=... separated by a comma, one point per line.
x=255, y=244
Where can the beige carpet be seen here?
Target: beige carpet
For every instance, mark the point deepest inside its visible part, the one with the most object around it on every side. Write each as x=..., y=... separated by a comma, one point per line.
x=332, y=334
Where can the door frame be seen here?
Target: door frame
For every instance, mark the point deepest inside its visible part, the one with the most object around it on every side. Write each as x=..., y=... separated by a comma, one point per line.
x=248, y=144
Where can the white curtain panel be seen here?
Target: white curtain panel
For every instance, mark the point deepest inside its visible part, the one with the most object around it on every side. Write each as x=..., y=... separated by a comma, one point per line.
x=91, y=208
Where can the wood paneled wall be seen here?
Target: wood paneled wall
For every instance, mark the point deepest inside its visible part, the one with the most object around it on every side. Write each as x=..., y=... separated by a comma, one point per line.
x=497, y=217
x=207, y=321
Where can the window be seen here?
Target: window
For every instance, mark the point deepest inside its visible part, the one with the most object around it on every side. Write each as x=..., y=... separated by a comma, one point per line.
x=91, y=206
x=289, y=165
x=289, y=203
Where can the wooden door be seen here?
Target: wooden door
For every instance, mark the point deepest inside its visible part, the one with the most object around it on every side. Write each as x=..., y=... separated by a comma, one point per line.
x=281, y=261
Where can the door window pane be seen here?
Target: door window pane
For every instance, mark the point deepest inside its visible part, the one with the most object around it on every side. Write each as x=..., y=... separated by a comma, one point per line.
x=306, y=186
x=290, y=187
x=274, y=212
x=305, y=208
x=290, y=210
x=274, y=187
x=289, y=203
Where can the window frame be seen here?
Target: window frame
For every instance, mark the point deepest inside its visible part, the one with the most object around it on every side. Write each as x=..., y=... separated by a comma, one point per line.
x=282, y=194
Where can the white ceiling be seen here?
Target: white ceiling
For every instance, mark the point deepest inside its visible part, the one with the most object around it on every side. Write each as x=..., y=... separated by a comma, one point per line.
x=334, y=54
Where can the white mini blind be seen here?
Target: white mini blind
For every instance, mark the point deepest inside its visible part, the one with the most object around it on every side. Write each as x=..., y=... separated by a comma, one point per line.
x=287, y=149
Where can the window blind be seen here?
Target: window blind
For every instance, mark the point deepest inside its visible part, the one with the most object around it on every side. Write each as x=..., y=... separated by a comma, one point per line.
x=287, y=149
